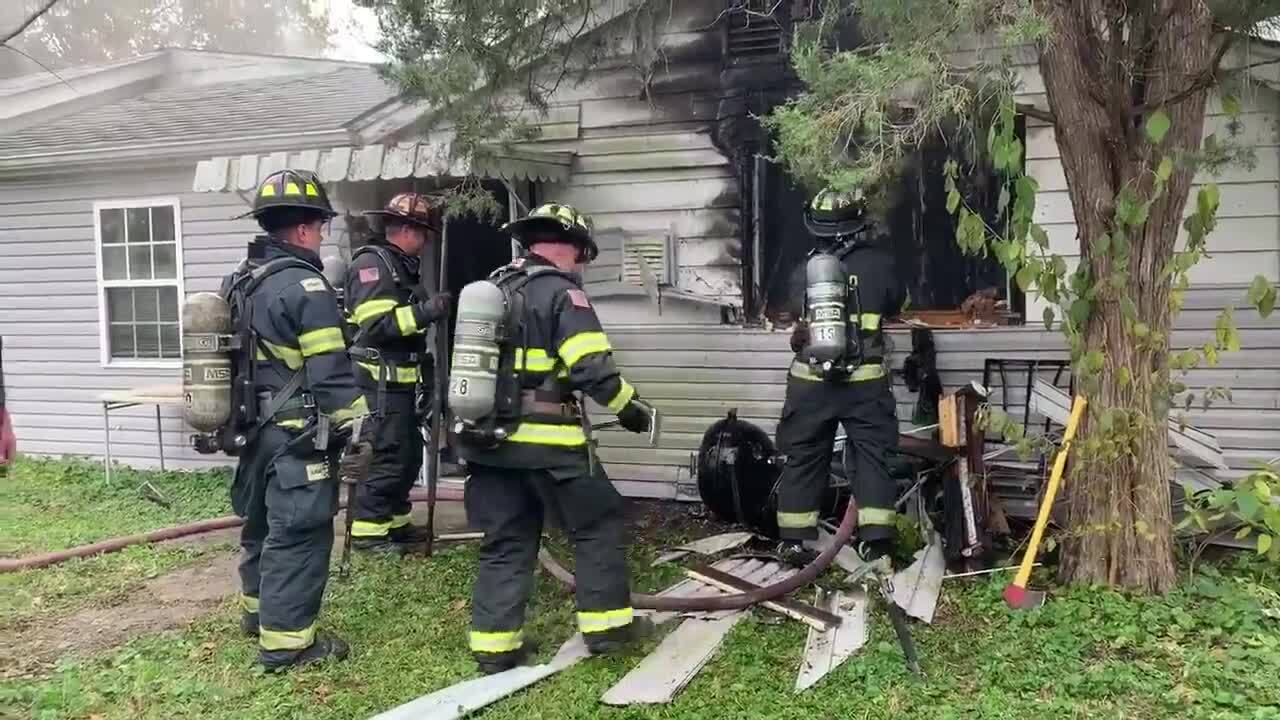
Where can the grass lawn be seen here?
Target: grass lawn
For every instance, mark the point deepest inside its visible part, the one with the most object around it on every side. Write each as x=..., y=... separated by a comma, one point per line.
x=50, y=505
x=1211, y=649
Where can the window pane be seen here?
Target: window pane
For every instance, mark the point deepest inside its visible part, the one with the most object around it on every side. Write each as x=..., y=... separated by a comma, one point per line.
x=166, y=261
x=119, y=305
x=113, y=263
x=169, y=304
x=148, y=341
x=169, y=344
x=139, y=221
x=121, y=340
x=112, y=222
x=145, y=304
x=140, y=262
x=162, y=224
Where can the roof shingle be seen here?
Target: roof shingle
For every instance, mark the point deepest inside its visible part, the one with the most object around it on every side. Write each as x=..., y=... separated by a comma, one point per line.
x=294, y=103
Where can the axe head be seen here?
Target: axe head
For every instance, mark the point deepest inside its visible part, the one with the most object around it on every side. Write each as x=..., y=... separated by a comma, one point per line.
x=1020, y=598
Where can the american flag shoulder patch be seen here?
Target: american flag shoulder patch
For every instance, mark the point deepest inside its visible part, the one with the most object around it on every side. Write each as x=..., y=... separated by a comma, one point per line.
x=368, y=274
x=579, y=298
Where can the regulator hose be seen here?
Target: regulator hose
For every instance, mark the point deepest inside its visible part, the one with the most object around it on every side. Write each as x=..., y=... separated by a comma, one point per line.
x=731, y=602
x=32, y=562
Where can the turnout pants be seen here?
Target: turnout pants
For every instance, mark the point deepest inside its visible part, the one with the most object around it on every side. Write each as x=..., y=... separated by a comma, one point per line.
x=382, y=501
x=509, y=506
x=806, y=435
x=288, y=495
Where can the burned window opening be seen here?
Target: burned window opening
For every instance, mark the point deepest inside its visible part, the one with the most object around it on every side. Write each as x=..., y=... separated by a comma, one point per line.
x=913, y=223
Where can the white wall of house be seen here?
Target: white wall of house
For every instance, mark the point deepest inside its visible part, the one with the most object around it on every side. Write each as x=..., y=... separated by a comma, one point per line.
x=51, y=314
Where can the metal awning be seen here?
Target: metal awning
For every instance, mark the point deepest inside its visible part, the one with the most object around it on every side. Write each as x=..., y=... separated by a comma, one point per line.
x=374, y=162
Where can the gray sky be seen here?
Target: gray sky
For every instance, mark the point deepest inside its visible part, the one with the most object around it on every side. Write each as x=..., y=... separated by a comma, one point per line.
x=352, y=32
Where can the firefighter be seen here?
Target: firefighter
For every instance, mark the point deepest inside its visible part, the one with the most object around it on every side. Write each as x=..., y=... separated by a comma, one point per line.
x=545, y=465
x=856, y=394
x=391, y=313
x=284, y=486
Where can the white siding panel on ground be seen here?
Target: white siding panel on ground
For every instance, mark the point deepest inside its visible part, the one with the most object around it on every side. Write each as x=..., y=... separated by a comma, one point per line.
x=49, y=311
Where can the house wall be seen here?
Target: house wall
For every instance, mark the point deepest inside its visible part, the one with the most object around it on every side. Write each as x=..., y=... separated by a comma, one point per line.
x=49, y=310
x=695, y=374
x=646, y=166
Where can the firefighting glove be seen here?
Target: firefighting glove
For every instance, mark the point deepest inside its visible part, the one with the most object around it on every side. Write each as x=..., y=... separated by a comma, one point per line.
x=355, y=463
x=799, y=336
x=636, y=416
x=435, y=308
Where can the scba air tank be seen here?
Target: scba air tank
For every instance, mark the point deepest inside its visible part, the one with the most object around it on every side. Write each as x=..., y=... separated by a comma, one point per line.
x=473, y=375
x=826, y=295
x=206, y=361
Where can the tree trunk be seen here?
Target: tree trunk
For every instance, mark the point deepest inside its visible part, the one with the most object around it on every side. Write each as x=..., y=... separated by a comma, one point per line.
x=1119, y=514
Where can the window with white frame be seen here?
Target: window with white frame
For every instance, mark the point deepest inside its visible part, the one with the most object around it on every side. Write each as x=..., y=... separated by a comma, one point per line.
x=139, y=246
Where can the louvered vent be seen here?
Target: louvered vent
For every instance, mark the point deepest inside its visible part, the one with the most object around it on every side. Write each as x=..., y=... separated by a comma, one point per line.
x=754, y=32
x=656, y=252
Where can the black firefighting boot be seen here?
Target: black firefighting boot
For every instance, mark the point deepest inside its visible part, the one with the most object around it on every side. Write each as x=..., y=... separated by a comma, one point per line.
x=326, y=646
x=872, y=550
x=494, y=663
x=380, y=545
x=794, y=553
x=249, y=623
x=614, y=641
x=408, y=534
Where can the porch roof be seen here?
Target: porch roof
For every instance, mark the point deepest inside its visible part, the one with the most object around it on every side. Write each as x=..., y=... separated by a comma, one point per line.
x=379, y=161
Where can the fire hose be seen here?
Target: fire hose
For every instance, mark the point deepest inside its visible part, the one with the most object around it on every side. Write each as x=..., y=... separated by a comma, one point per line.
x=738, y=601
x=32, y=562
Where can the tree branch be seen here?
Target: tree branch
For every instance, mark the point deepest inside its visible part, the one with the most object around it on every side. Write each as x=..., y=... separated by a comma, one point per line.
x=1203, y=81
x=1032, y=111
x=35, y=15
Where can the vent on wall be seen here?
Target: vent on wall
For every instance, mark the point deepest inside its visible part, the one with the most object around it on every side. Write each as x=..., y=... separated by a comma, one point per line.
x=658, y=253
x=754, y=31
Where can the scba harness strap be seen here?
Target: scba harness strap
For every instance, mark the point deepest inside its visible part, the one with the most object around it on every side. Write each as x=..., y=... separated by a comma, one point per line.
x=239, y=297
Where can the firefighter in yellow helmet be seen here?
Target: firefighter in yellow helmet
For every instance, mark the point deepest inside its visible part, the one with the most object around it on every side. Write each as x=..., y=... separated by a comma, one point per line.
x=543, y=466
x=285, y=488
x=844, y=290
x=386, y=302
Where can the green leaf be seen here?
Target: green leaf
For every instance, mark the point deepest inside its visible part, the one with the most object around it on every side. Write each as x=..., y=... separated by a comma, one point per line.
x=1141, y=329
x=1040, y=237
x=1262, y=295
x=1079, y=312
x=1231, y=106
x=1248, y=506
x=953, y=201
x=1264, y=544
x=1128, y=309
x=1120, y=243
x=1101, y=244
x=1125, y=376
x=1003, y=202
x=1207, y=204
x=1165, y=171
x=1026, y=275
x=1158, y=124
x=1243, y=532
x=1048, y=318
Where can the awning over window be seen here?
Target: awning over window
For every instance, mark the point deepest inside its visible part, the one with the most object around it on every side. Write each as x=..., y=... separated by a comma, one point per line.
x=373, y=162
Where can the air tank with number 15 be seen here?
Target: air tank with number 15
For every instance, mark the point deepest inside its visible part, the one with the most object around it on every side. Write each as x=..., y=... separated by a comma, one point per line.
x=825, y=295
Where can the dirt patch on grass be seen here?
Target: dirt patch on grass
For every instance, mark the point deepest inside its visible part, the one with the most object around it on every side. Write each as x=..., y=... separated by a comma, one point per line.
x=169, y=601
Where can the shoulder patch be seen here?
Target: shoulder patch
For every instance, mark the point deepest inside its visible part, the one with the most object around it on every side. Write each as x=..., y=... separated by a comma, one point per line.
x=578, y=298
x=313, y=284
x=368, y=275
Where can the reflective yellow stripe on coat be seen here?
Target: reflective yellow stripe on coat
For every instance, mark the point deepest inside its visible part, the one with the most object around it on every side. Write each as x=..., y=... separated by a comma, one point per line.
x=531, y=433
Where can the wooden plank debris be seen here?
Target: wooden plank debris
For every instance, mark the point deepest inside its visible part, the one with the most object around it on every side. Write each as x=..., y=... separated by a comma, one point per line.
x=916, y=588
x=468, y=696
x=807, y=614
x=847, y=558
x=826, y=651
x=713, y=545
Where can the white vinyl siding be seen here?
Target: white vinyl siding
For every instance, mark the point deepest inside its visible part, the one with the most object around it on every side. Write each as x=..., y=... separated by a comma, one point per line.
x=138, y=245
